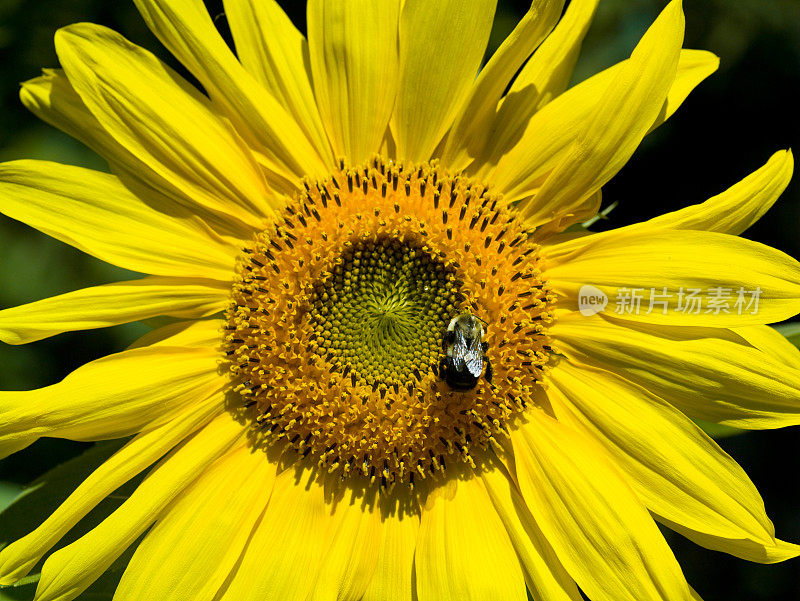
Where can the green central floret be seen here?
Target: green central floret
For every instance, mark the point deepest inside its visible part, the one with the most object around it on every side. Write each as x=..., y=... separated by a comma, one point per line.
x=381, y=312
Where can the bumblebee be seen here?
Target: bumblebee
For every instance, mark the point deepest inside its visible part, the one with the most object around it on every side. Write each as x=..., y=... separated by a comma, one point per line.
x=464, y=348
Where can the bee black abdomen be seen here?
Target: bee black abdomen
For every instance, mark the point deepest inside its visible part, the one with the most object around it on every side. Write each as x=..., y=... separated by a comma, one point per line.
x=460, y=381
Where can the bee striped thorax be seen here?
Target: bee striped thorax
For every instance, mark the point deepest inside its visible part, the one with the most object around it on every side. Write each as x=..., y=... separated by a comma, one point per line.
x=338, y=316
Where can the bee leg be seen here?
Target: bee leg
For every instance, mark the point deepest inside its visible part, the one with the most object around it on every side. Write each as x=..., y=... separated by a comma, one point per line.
x=442, y=367
x=488, y=369
x=485, y=346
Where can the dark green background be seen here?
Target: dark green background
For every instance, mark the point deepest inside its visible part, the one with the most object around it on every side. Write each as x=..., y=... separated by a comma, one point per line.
x=727, y=128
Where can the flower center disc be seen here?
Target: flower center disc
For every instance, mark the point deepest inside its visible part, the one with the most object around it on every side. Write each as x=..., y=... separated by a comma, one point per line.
x=381, y=314
x=337, y=327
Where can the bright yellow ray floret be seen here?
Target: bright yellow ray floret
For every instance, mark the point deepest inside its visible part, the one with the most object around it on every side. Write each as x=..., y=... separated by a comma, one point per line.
x=314, y=222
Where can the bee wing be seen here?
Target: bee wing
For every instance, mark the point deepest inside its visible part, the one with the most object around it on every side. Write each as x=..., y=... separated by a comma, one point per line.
x=474, y=361
x=467, y=355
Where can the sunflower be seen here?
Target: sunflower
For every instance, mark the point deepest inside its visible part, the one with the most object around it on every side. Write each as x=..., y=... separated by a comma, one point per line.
x=393, y=369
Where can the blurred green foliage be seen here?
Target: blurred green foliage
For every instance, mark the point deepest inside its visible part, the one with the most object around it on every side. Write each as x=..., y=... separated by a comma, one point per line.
x=727, y=128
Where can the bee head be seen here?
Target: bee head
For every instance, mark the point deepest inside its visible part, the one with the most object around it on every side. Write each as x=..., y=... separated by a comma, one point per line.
x=470, y=326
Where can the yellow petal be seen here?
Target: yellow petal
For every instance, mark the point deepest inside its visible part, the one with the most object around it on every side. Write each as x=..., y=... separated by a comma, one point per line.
x=598, y=527
x=737, y=282
x=588, y=209
x=170, y=126
x=710, y=374
x=111, y=397
x=463, y=550
x=617, y=125
x=438, y=68
x=186, y=29
x=519, y=166
x=774, y=552
x=730, y=212
x=544, y=573
x=769, y=340
x=352, y=557
x=275, y=53
x=17, y=559
x=70, y=570
x=194, y=546
x=473, y=124
x=92, y=211
x=392, y=579
x=740, y=206
x=353, y=53
x=52, y=98
x=203, y=333
x=112, y=304
x=283, y=557
x=694, y=66
x=677, y=470
x=545, y=76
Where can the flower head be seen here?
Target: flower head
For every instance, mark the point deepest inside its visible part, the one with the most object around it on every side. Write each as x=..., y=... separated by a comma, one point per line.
x=394, y=369
x=344, y=304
